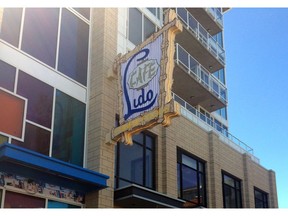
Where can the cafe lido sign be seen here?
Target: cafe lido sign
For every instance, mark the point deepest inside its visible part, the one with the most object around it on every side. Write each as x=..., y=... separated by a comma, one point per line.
x=141, y=80
x=145, y=77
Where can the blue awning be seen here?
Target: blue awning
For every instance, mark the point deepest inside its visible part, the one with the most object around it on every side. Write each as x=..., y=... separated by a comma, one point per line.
x=30, y=164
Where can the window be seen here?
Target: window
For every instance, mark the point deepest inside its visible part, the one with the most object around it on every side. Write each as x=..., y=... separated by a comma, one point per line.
x=222, y=112
x=11, y=114
x=220, y=75
x=73, y=50
x=261, y=198
x=16, y=200
x=40, y=34
x=84, y=12
x=135, y=163
x=140, y=27
x=7, y=74
x=35, y=139
x=55, y=204
x=191, y=179
x=40, y=99
x=10, y=25
x=69, y=129
x=231, y=191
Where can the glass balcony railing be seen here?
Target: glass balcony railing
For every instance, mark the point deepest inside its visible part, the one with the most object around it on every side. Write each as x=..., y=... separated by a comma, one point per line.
x=196, y=70
x=208, y=123
x=216, y=14
x=201, y=34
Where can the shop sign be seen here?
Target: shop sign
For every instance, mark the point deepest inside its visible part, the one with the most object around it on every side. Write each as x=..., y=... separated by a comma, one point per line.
x=145, y=77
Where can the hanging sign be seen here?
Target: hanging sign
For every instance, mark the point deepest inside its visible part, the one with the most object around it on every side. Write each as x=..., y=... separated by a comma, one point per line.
x=145, y=77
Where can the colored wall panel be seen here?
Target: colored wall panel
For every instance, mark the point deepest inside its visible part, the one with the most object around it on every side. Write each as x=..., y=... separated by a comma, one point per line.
x=3, y=139
x=36, y=139
x=7, y=74
x=16, y=200
x=11, y=114
x=69, y=129
x=40, y=99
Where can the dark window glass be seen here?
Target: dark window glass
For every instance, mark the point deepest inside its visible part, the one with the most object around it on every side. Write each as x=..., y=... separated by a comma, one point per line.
x=1, y=193
x=191, y=180
x=73, y=51
x=35, y=139
x=261, y=198
x=16, y=200
x=149, y=28
x=40, y=99
x=135, y=26
x=55, y=204
x=40, y=34
x=84, y=12
x=7, y=74
x=10, y=25
x=135, y=163
x=69, y=129
x=231, y=191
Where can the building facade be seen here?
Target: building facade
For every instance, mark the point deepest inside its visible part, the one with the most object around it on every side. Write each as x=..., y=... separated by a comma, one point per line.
x=59, y=98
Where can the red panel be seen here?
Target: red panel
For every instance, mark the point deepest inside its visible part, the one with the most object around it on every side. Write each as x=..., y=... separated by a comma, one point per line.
x=11, y=114
x=16, y=200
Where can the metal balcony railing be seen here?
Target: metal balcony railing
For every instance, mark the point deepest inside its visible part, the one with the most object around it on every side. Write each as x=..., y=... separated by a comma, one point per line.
x=208, y=123
x=201, y=34
x=216, y=14
x=195, y=69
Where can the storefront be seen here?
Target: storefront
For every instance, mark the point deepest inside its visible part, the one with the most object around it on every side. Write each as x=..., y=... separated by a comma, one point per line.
x=32, y=180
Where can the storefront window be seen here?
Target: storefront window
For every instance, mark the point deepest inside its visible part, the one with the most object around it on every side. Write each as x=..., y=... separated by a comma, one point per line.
x=40, y=99
x=261, y=198
x=10, y=25
x=16, y=200
x=231, y=191
x=35, y=139
x=40, y=34
x=69, y=129
x=135, y=163
x=55, y=204
x=191, y=180
x=73, y=51
x=7, y=74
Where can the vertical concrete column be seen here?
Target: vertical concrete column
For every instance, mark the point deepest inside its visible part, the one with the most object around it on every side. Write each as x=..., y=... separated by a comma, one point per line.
x=273, y=200
x=248, y=190
x=213, y=177
x=102, y=102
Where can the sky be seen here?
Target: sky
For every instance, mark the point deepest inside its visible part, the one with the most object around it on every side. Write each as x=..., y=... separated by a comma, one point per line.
x=256, y=44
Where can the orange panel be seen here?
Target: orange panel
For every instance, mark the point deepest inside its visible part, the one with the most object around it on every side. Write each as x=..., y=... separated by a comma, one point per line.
x=11, y=114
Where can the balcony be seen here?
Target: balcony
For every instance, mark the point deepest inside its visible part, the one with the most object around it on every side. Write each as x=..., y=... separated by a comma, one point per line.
x=209, y=124
x=210, y=18
x=195, y=84
x=198, y=41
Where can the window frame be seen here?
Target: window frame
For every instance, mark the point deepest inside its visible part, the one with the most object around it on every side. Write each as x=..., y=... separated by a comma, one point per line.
x=117, y=176
x=234, y=188
x=265, y=195
x=198, y=160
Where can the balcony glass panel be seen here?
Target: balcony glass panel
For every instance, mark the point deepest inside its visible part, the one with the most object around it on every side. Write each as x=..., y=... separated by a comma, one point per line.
x=210, y=82
x=216, y=14
x=201, y=34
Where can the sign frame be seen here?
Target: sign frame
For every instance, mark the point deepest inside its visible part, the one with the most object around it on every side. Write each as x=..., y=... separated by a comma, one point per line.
x=166, y=108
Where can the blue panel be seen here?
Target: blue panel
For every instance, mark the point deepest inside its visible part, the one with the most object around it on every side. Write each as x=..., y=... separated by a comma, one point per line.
x=51, y=169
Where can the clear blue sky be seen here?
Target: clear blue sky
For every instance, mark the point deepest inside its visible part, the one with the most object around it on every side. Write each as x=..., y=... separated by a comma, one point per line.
x=256, y=44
